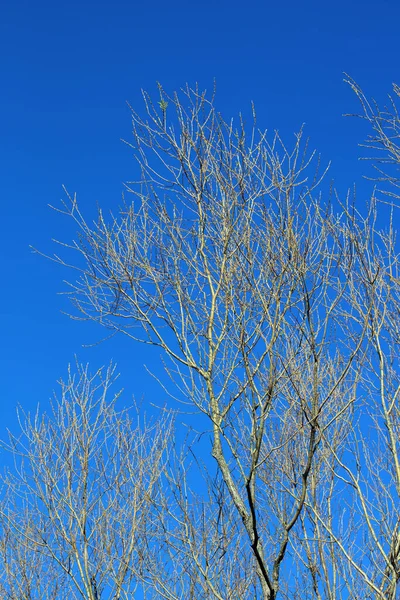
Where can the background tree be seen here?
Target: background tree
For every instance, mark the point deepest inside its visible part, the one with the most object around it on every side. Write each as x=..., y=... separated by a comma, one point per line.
x=78, y=498
x=383, y=141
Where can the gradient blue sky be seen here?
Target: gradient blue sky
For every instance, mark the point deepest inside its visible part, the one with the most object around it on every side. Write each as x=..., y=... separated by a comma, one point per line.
x=67, y=70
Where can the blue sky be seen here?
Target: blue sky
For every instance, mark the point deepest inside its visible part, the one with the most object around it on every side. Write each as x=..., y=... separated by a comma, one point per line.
x=67, y=70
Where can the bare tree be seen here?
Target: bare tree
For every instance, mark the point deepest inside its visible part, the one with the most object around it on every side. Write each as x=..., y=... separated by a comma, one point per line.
x=278, y=313
x=353, y=542
x=383, y=141
x=76, y=503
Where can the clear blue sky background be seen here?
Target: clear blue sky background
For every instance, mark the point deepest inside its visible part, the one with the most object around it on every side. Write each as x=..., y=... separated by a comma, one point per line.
x=67, y=70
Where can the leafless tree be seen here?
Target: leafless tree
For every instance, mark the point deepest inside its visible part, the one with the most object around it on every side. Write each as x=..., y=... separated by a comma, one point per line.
x=278, y=312
x=76, y=502
x=382, y=143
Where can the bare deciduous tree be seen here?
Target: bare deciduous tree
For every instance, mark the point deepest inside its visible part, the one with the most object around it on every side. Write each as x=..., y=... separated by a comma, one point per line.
x=77, y=500
x=278, y=313
x=383, y=141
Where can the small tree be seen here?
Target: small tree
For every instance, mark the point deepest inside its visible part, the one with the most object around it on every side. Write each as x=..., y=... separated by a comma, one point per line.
x=77, y=501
